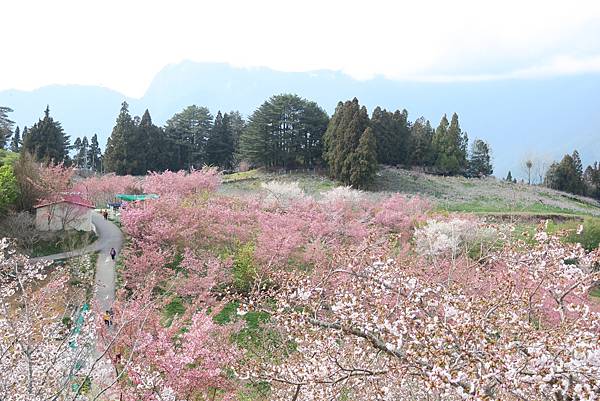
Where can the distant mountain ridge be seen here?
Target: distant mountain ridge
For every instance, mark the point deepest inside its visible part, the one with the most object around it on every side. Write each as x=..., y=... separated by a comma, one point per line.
x=545, y=116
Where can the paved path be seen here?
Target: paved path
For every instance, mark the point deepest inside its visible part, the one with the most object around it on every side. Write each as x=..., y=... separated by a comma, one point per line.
x=109, y=236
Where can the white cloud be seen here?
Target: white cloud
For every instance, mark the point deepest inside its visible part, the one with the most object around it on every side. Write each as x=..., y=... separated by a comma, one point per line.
x=122, y=44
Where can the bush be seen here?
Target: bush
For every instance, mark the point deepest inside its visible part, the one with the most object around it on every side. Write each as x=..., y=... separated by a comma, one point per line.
x=588, y=235
x=9, y=190
x=244, y=268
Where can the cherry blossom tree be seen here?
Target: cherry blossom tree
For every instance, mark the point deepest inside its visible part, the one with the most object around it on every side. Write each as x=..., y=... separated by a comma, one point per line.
x=46, y=336
x=519, y=326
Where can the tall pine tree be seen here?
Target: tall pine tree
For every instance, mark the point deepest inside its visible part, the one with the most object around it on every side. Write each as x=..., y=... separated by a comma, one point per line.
x=46, y=140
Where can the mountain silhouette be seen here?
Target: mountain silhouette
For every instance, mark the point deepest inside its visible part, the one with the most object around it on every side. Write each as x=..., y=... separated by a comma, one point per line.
x=517, y=117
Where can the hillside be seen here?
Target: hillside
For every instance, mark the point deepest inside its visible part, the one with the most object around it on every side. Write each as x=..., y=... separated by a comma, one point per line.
x=509, y=114
x=484, y=196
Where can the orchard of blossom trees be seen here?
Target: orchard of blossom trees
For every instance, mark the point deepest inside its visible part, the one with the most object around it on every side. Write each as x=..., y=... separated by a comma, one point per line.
x=277, y=295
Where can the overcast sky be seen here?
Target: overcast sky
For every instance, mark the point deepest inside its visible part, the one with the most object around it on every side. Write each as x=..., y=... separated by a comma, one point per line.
x=122, y=44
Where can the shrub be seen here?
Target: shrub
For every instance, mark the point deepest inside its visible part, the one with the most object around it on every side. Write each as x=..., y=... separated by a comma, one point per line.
x=588, y=236
x=9, y=190
x=244, y=268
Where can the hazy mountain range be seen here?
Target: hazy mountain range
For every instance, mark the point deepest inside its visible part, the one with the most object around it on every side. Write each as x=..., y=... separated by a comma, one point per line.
x=545, y=117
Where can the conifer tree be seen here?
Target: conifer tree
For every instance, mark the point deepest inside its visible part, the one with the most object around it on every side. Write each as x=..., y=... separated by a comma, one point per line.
x=577, y=163
x=364, y=161
x=285, y=131
x=238, y=125
x=24, y=134
x=421, y=151
x=46, y=140
x=450, y=147
x=509, y=177
x=77, y=148
x=220, y=146
x=5, y=126
x=115, y=155
x=382, y=125
x=480, y=164
x=94, y=153
x=156, y=149
x=342, y=139
x=15, y=144
x=187, y=133
x=565, y=176
x=83, y=153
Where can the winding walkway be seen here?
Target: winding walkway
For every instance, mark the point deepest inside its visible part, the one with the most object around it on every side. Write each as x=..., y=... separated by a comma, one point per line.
x=109, y=236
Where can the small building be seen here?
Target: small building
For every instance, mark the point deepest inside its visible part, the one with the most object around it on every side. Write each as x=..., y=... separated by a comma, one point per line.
x=66, y=212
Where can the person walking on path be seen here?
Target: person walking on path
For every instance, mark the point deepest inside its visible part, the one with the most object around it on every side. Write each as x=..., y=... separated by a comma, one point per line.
x=106, y=318
x=113, y=253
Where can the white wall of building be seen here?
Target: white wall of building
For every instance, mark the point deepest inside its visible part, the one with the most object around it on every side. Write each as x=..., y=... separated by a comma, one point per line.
x=63, y=215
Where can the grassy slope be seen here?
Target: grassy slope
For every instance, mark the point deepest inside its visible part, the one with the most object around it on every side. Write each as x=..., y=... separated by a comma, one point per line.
x=485, y=196
x=488, y=196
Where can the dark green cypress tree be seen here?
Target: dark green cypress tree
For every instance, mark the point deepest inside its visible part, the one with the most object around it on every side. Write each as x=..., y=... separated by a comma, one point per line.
x=509, y=177
x=46, y=140
x=332, y=151
x=402, y=137
x=156, y=149
x=15, y=143
x=342, y=139
x=382, y=125
x=364, y=161
x=137, y=145
x=115, y=155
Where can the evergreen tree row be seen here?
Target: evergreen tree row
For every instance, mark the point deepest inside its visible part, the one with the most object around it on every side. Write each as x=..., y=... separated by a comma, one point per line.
x=286, y=131
x=87, y=154
x=568, y=175
x=190, y=139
